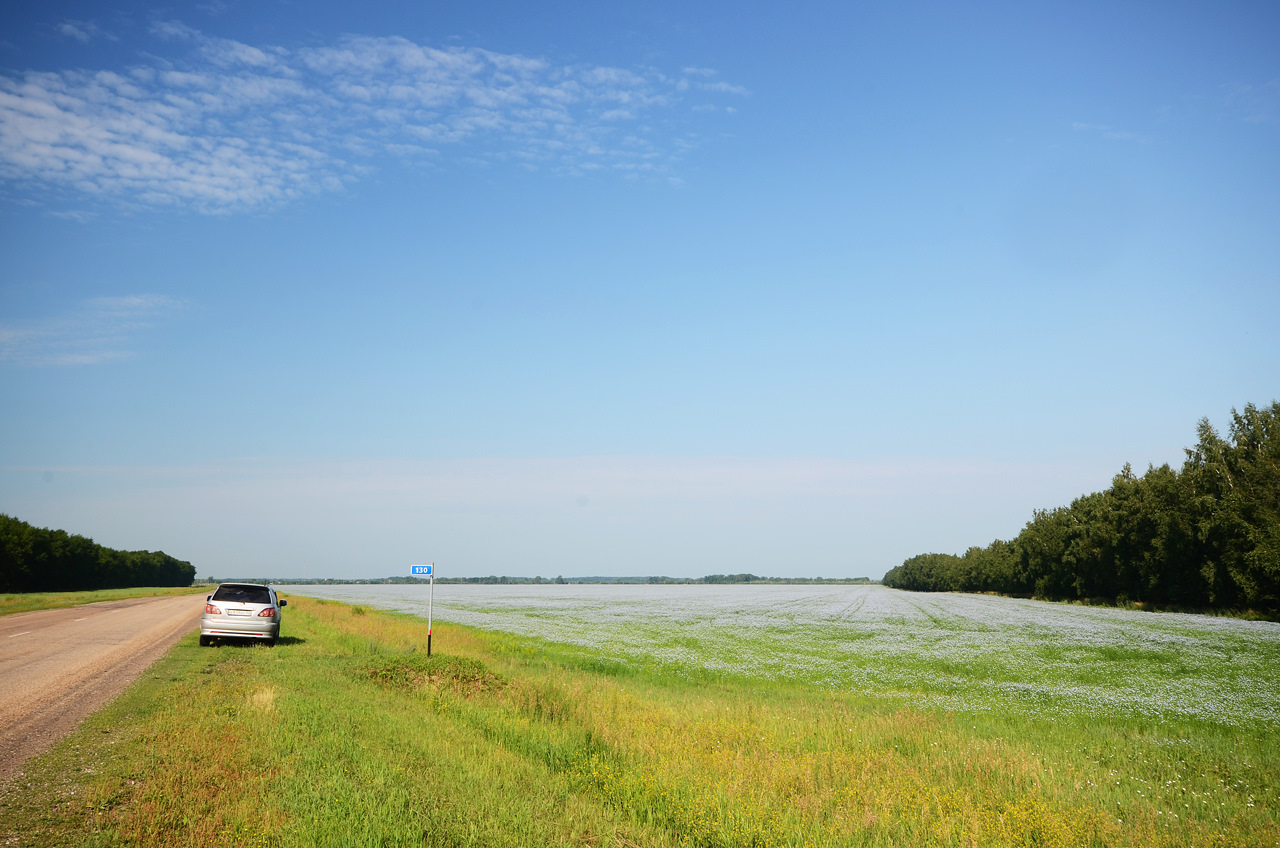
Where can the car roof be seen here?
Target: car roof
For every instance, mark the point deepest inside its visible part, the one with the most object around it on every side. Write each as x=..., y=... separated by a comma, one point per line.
x=253, y=585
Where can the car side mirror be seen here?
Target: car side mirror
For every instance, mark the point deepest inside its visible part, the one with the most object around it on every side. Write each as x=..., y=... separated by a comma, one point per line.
x=284, y=603
x=208, y=597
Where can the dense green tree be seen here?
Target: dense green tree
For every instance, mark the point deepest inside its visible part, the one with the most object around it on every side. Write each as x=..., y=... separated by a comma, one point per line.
x=926, y=573
x=35, y=559
x=1235, y=485
x=1208, y=535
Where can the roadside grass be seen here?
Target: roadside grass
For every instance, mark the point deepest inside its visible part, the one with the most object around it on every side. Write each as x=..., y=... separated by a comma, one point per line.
x=345, y=734
x=31, y=601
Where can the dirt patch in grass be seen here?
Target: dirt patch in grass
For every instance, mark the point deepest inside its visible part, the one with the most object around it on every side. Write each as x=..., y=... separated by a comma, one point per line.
x=416, y=672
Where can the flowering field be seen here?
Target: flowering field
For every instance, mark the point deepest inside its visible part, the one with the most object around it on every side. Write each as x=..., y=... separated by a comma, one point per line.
x=664, y=717
x=961, y=652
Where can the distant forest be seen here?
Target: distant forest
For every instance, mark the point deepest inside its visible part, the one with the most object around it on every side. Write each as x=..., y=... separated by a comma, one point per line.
x=34, y=559
x=1207, y=536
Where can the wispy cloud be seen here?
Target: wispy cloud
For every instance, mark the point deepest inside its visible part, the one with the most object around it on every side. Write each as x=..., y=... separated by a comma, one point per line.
x=230, y=126
x=98, y=330
x=84, y=31
x=558, y=482
x=571, y=515
x=723, y=88
x=1106, y=131
x=1253, y=104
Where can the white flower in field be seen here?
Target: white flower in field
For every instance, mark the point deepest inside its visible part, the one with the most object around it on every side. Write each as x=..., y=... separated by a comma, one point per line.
x=972, y=653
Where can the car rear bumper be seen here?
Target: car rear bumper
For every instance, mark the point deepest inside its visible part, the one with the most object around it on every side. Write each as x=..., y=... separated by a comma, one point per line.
x=249, y=629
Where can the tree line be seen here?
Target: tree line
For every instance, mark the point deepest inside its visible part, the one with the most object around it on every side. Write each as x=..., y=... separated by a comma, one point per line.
x=1204, y=536
x=36, y=559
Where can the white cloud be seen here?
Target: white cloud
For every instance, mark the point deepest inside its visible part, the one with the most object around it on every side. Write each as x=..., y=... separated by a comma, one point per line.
x=539, y=480
x=83, y=31
x=173, y=30
x=723, y=88
x=98, y=330
x=1106, y=131
x=1253, y=103
x=232, y=126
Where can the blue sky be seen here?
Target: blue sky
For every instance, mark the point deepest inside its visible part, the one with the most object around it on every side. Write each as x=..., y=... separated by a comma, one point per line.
x=665, y=288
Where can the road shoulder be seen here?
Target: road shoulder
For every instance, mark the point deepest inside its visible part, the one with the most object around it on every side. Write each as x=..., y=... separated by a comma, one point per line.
x=56, y=796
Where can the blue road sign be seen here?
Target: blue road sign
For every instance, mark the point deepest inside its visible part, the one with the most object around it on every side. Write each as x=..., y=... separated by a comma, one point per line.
x=422, y=569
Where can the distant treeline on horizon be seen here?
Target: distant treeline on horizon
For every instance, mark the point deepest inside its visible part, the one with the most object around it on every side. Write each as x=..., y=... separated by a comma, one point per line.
x=1207, y=536
x=518, y=581
x=37, y=559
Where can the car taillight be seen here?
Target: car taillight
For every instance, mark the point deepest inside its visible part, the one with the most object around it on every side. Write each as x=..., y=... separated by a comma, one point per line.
x=269, y=612
x=210, y=609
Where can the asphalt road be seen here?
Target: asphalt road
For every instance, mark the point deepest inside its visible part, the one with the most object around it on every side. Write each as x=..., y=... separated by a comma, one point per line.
x=58, y=666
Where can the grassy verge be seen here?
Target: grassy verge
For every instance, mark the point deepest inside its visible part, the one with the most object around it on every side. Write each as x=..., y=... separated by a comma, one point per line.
x=346, y=734
x=31, y=601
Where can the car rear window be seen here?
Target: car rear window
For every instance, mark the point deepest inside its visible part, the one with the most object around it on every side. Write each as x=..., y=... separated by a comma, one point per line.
x=243, y=594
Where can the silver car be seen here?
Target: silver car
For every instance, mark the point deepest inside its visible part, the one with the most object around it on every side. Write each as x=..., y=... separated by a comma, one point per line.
x=241, y=611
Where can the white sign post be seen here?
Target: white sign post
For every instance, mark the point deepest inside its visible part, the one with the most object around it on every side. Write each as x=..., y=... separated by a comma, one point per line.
x=430, y=571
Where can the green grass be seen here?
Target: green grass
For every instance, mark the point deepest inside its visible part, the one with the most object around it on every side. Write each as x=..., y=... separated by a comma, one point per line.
x=31, y=601
x=346, y=734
